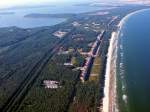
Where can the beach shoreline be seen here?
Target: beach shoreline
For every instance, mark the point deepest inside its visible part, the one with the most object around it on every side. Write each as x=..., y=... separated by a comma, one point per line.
x=109, y=103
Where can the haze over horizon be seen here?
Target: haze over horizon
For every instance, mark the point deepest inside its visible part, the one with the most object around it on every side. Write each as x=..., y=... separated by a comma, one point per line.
x=13, y=3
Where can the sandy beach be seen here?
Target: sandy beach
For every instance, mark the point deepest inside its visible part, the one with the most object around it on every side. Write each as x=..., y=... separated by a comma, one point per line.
x=109, y=89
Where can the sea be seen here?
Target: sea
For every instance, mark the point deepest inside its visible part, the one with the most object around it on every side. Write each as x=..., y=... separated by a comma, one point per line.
x=133, y=63
x=17, y=17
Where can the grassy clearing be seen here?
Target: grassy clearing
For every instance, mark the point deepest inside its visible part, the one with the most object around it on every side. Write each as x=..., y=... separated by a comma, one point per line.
x=95, y=69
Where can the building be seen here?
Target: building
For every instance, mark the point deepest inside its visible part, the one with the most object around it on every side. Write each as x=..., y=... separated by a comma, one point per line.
x=51, y=84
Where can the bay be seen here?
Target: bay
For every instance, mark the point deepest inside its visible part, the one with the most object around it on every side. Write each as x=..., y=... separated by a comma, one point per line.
x=18, y=19
x=133, y=64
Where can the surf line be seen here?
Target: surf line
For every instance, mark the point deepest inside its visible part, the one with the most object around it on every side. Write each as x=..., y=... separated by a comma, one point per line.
x=109, y=102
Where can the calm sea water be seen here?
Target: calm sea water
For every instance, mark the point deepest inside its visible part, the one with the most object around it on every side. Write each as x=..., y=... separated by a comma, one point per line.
x=18, y=19
x=134, y=64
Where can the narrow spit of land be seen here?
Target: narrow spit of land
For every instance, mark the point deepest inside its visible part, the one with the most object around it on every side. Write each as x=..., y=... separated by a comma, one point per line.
x=87, y=27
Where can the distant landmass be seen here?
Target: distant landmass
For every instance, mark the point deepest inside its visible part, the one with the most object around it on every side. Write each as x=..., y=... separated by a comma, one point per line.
x=36, y=15
x=6, y=13
x=24, y=7
x=96, y=4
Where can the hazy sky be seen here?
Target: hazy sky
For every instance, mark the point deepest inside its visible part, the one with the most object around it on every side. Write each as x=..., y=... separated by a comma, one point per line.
x=11, y=3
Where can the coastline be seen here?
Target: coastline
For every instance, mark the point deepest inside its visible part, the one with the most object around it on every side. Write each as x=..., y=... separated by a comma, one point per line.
x=123, y=20
x=110, y=80
x=109, y=103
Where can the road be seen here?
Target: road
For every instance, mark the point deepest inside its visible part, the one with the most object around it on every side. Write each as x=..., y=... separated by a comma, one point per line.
x=89, y=62
x=15, y=100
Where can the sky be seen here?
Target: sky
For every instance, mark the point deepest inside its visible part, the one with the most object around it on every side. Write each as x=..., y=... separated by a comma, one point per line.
x=12, y=3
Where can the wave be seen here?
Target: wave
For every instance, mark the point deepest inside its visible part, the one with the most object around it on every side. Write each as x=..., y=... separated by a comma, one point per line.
x=110, y=103
x=122, y=74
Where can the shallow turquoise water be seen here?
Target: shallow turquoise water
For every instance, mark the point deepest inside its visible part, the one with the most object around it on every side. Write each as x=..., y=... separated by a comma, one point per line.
x=133, y=66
